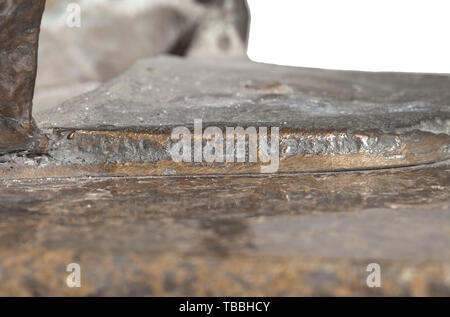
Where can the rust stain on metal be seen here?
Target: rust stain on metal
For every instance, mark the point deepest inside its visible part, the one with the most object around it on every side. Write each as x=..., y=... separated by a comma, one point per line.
x=130, y=153
x=304, y=234
x=174, y=275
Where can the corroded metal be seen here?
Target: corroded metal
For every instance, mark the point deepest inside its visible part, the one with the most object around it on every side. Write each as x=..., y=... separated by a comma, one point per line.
x=309, y=233
x=328, y=120
x=19, y=32
x=132, y=153
x=304, y=234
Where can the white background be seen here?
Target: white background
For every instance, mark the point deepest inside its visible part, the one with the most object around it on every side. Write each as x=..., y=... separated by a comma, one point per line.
x=372, y=35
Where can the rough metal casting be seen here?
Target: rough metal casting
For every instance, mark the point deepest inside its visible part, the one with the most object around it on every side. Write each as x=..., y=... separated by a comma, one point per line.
x=19, y=32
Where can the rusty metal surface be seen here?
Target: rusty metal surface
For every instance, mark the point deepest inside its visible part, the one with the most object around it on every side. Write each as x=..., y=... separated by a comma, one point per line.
x=19, y=33
x=179, y=233
x=328, y=120
x=77, y=153
x=288, y=235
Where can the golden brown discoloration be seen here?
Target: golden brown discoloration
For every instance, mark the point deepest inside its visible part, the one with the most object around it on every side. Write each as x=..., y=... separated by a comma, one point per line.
x=171, y=275
x=414, y=148
x=286, y=235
